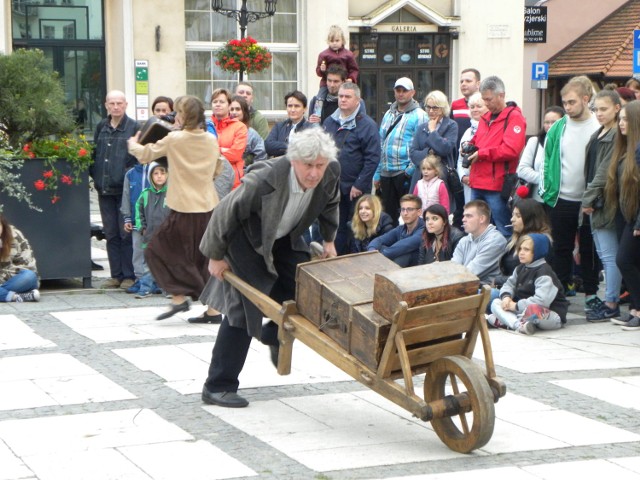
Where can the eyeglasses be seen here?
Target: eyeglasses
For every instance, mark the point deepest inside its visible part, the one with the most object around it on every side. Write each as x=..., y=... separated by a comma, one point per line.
x=408, y=209
x=429, y=107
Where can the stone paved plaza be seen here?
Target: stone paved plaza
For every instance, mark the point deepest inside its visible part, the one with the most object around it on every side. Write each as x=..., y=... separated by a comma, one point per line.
x=92, y=387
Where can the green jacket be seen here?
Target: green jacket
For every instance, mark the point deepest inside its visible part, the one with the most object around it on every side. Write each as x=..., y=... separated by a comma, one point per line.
x=549, y=187
x=595, y=188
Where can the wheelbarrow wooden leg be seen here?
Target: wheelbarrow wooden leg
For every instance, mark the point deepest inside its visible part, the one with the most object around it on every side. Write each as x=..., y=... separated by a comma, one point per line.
x=286, y=338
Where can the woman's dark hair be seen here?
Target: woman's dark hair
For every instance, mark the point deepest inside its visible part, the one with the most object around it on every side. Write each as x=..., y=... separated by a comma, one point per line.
x=244, y=106
x=534, y=220
x=6, y=237
x=552, y=109
x=192, y=111
x=298, y=95
x=429, y=238
x=158, y=100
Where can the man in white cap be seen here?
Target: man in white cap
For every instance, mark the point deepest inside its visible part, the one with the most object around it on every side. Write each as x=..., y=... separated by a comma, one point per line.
x=397, y=129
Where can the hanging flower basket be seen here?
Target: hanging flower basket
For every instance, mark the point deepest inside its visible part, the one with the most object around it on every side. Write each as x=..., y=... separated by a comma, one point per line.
x=243, y=55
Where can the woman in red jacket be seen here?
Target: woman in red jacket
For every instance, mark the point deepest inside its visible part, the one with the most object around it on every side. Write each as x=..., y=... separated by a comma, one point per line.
x=232, y=134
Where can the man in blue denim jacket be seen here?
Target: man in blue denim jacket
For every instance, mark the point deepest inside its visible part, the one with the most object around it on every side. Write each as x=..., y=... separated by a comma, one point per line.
x=111, y=161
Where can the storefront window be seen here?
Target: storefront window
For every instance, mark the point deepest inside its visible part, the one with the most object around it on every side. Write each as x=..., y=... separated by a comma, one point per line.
x=206, y=31
x=50, y=19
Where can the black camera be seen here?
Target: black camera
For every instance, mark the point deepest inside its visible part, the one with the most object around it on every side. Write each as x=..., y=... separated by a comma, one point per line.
x=466, y=149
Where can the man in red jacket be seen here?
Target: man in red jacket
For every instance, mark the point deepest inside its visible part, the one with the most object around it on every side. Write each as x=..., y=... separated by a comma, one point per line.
x=500, y=139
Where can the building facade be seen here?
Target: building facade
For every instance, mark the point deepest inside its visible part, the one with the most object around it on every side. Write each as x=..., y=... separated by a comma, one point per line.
x=166, y=47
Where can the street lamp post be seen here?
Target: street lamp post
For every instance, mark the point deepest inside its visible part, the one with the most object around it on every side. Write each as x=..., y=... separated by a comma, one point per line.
x=244, y=16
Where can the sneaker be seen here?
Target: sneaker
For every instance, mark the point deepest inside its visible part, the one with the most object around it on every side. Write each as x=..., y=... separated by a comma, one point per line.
x=127, y=283
x=632, y=324
x=111, y=283
x=622, y=321
x=570, y=290
x=133, y=288
x=30, y=296
x=527, y=328
x=603, y=314
x=143, y=294
x=492, y=321
x=593, y=304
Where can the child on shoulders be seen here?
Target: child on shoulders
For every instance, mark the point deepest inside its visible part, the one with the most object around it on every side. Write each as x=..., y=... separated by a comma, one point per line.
x=533, y=297
x=336, y=54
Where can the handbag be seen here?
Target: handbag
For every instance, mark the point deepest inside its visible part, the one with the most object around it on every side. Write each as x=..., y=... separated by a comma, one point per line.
x=452, y=180
x=511, y=183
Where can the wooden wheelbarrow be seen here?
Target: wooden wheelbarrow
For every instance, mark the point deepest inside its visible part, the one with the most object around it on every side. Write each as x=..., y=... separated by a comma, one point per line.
x=437, y=339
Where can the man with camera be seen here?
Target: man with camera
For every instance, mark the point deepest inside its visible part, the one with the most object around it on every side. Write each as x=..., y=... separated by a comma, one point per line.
x=499, y=140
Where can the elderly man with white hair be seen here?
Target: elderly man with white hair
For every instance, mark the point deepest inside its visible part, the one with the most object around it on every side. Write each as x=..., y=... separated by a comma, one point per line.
x=256, y=232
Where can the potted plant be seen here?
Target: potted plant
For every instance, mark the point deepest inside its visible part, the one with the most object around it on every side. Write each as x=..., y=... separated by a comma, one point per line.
x=43, y=167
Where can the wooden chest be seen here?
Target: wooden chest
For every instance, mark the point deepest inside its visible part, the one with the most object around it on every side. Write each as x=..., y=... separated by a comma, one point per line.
x=369, y=332
x=328, y=290
x=422, y=285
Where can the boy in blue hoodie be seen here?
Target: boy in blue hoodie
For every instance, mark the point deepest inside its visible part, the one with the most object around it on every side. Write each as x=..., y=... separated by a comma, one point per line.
x=533, y=297
x=151, y=211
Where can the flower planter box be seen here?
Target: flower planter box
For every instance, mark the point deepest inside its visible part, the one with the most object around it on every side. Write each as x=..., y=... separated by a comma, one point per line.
x=60, y=234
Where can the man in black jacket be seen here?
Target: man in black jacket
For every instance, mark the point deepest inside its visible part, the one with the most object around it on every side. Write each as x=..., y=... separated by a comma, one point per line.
x=356, y=135
x=111, y=161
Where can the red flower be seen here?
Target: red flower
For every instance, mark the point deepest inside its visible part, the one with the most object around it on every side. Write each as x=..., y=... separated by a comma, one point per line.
x=26, y=148
x=55, y=198
x=39, y=184
x=47, y=174
x=66, y=179
x=56, y=147
x=32, y=155
x=82, y=152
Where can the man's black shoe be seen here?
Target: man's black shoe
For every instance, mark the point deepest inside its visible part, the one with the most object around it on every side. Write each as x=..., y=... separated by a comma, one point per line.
x=173, y=309
x=223, y=399
x=205, y=318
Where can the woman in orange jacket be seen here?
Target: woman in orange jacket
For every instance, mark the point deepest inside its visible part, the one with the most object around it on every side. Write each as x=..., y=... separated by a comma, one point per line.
x=232, y=134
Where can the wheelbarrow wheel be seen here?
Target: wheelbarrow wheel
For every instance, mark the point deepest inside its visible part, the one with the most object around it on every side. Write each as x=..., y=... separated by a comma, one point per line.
x=461, y=432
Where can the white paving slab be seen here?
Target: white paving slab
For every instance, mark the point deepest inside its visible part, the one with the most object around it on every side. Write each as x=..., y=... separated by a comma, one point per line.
x=17, y=334
x=197, y=460
x=607, y=468
x=69, y=434
x=337, y=432
x=131, y=324
x=582, y=469
x=185, y=366
x=362, y=429
x=577, y=347
x=11, y=467
x=622, y=391
x=53, y=379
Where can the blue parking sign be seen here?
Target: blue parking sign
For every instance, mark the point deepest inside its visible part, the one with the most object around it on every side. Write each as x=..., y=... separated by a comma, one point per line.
x=539, y=71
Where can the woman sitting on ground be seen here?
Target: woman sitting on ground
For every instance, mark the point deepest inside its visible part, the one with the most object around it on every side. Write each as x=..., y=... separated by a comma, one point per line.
x=528, y=216
x=18, y=274
x=369, y=222
x=439, y=239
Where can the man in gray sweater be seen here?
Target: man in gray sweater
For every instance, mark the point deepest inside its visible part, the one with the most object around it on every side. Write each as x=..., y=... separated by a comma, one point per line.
x=483, y=246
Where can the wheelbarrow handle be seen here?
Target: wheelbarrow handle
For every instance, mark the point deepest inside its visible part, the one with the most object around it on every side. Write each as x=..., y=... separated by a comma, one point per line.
x=269, y=307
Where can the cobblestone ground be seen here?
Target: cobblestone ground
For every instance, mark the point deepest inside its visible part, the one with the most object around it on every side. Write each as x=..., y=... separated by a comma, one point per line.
x=93, y=387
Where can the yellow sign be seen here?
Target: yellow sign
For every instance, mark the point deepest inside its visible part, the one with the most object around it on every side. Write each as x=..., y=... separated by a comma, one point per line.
x=142, y=88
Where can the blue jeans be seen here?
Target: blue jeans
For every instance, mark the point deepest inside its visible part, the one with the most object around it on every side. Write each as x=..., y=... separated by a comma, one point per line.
x=606, y=241
x=23, y=281
x=500, y=213
x=148, y=283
